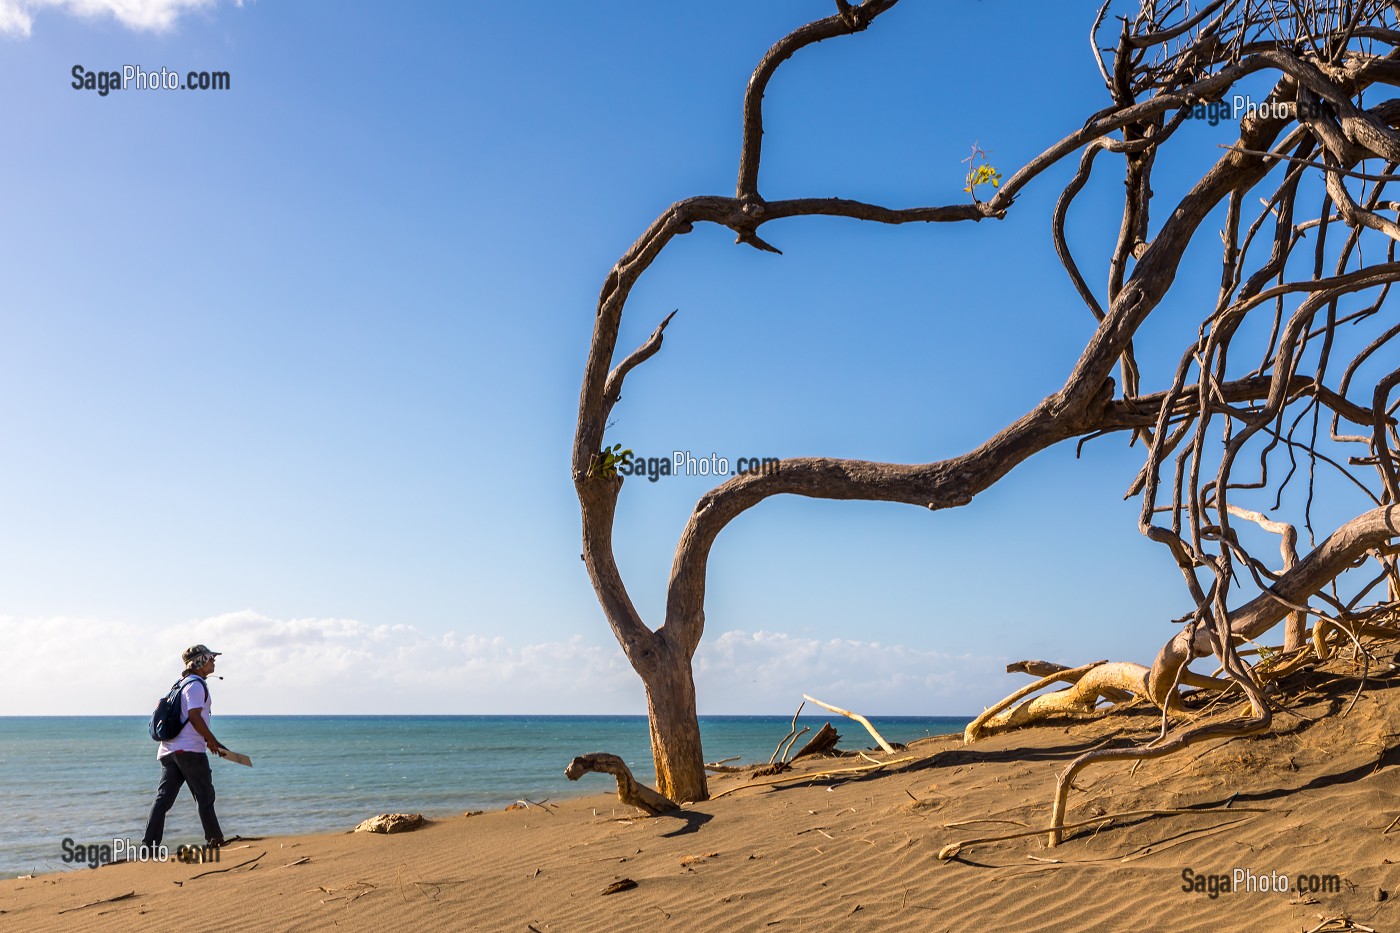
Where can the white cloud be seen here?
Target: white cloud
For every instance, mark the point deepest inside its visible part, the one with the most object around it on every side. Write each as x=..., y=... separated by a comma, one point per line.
x=771, y=671
x=17, y=16
x=78, y=666
x=304, y=666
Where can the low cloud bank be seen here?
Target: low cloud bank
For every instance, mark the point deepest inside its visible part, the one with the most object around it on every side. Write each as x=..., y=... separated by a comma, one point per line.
x=343, y=666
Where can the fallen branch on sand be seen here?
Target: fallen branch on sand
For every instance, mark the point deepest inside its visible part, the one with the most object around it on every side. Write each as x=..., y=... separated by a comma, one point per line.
x=954, y=848
x=361, y=888
x=1152, y=848
x=1347, y=925
x=215, y=871
x=815, y=775
x=105, y=900
x=629, y=789
x=723, y=766
x=857, y=717
x=301, y=861
x=437, y=887
x=544, y=804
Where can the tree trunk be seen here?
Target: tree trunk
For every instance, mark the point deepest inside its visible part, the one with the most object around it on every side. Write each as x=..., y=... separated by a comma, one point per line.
x=675, y=730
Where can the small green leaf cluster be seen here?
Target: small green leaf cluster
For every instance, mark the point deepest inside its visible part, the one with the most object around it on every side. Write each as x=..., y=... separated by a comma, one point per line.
x=981, y=175
x=606, y=461
x=980, y=171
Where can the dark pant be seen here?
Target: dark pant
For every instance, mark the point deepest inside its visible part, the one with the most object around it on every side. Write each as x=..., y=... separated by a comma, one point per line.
x=176, y=770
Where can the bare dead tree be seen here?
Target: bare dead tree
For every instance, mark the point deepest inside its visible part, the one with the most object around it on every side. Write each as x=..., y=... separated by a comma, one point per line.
x=1311, y=267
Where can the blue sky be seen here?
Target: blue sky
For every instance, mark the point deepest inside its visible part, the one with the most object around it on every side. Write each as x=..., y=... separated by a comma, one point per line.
x=292, y=369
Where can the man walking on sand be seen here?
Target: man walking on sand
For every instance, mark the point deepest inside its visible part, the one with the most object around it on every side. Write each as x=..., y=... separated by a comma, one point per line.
x=182, y=759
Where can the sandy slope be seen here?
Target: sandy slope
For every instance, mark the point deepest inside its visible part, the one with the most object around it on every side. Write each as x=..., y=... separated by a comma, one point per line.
x=845, y=854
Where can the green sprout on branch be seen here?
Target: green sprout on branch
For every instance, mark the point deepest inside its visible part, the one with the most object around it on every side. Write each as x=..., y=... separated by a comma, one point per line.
x=980, y=171
x=606, y=461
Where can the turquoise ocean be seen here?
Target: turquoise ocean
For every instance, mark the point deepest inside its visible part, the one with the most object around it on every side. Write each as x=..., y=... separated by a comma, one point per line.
x=91, y=779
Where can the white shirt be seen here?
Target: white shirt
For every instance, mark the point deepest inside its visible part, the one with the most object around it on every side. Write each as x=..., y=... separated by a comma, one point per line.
x=194, y=695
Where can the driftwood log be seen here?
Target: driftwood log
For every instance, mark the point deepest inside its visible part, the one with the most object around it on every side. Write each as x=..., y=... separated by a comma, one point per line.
x=824, y=741
x=629, y=789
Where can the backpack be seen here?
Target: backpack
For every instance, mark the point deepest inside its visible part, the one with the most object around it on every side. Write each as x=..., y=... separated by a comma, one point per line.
x=166, y=722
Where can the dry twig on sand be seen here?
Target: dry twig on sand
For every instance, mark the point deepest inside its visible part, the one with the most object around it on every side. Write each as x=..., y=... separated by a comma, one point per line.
x=813, y=776
x=105, y=900
x=954, y=848
x=301, y=861
x=722, y=767
x=361, y=888
x=215, y=871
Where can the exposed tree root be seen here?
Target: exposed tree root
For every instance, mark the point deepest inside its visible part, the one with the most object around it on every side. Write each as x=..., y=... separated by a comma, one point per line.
x=1290, y=592
x=1120, y=682
x=1091, y=683
x=1190, y=737
x=1288, y=550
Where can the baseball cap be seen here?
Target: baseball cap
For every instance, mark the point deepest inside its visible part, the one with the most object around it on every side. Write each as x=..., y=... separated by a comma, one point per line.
x=198, y=651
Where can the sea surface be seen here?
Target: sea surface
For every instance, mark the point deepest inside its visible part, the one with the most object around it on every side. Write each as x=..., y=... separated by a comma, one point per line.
x=91, y=779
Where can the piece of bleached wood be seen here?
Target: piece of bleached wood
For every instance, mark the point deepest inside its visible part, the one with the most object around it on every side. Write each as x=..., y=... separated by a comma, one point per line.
x=857, y=717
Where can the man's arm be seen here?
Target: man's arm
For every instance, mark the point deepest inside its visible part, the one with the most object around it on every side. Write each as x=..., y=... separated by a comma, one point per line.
x=202, y=727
